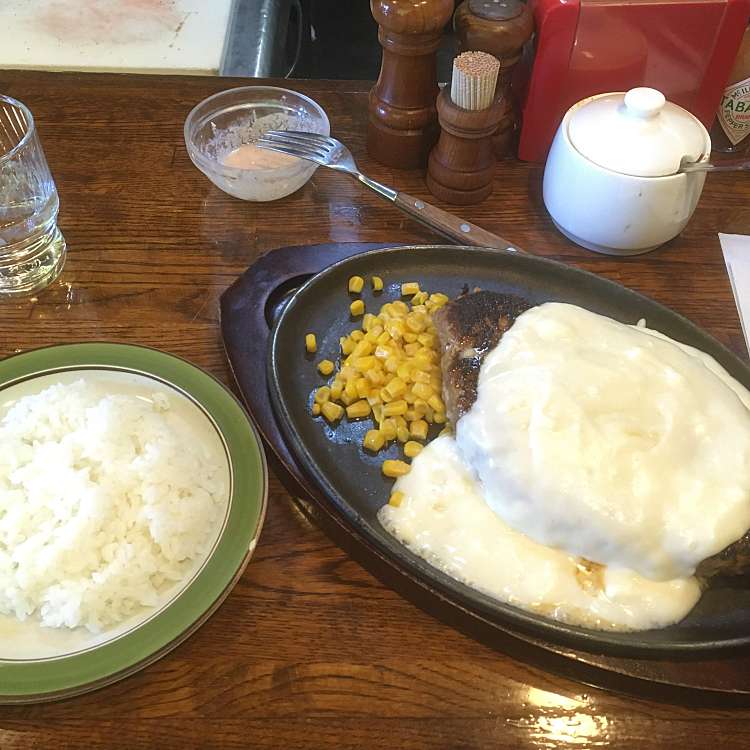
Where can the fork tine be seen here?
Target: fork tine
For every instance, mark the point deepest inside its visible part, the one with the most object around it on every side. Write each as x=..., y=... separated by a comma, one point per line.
x=289, y=150
x=301, y=146
x=298, y=139
x=318, y=138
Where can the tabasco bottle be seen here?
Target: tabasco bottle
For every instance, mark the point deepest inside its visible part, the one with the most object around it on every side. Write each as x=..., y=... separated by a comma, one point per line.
x=731, y=131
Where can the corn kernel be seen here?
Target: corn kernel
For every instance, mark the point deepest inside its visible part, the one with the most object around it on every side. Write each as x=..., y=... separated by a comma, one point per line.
x=402, y=434
x=374, y=376
x=412, y=348
x=364, y=363
x=404, y=372
x=410, y=288
x=410, y=337
x=358, y=410
x=356, y=335
x=396, y=388
x=336, y=390
x=436, y=402
x=396, y=329
x=325, y=367
x=377, y=284
x=311, y=343
x=363, y=387
x=348, y=373
x=355, y=284
x=357, y=307
x=400, y=308
x=368, y=321
x=411, y=415
x=349, y=396
x=427, y=339
x=323, y=394
x=374, y=440
x=373, y=398
x=346, y=344
x=396, y=499
x=420, y=376
x=418, y=429
x=412, y=449
x=388, y=428
x=423, y=391
x=383, y=339
x=416, y=322
x=332, y=412
x=362, y=349
x=394, y=469
x=392, y=363
x=421, y=406
x=395, y=408
x=439, y=417
x=383, y=352
x=377, y=412
x=315, y=409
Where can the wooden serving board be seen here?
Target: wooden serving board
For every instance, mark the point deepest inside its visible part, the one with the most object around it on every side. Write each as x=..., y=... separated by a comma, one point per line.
x=248, y=310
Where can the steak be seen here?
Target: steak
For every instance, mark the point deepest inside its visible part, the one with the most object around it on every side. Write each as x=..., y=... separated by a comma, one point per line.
x=468, y=328
x=471, y=326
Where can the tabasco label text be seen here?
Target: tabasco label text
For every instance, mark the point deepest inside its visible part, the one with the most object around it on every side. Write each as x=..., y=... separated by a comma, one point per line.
x=734, y=112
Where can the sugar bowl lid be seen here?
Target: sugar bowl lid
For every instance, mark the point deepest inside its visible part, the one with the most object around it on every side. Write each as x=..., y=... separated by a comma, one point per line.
x=636, y=133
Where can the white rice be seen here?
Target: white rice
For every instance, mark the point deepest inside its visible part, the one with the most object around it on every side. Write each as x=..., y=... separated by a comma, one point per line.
x=105, y=501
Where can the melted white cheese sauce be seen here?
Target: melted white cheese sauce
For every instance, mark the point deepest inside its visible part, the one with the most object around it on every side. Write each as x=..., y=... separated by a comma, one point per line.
x=589, y=439
x=611, y=442
x=445, y=519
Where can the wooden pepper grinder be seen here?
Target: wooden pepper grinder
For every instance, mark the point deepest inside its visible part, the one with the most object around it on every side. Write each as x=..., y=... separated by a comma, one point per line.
x=403, y=122
x=461, y=167
x=502, y=28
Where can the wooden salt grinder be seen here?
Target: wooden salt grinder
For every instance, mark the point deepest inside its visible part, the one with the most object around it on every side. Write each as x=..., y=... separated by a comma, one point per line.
x=462, y=165
x=403, y=122
x=501, y=29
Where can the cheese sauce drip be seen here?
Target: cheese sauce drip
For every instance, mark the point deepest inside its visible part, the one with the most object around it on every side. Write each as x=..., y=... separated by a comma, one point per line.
x=445, y=519
x=611, y=442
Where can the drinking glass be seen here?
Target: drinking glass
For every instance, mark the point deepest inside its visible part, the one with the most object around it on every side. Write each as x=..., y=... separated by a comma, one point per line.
x=32, y=248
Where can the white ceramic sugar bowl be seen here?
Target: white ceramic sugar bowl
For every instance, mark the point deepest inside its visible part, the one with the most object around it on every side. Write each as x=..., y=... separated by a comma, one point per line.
x=610, y=181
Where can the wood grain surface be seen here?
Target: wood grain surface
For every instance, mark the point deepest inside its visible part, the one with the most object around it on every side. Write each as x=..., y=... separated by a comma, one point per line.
x=310, y=650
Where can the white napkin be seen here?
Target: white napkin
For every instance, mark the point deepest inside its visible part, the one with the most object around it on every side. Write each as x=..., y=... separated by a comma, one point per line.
x=736, y=249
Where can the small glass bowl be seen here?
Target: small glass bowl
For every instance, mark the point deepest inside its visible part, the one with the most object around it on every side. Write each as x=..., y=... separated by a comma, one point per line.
x=232, y=118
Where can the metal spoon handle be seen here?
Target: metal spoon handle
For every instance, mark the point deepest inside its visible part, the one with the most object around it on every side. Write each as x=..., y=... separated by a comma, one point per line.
x=727, y=165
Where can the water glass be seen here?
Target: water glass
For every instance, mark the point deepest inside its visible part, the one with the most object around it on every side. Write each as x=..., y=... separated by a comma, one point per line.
x=32, y=248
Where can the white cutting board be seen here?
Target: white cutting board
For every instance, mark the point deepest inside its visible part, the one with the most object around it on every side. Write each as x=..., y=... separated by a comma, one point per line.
x=156, y=36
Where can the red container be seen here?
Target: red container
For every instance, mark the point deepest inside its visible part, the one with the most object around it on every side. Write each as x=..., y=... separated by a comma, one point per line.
x=684, y=48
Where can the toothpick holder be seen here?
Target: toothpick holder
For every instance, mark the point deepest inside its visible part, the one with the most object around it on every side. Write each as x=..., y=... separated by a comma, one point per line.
x=461, y=167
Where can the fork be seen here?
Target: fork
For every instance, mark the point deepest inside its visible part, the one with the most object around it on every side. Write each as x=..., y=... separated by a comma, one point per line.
x=329, y=152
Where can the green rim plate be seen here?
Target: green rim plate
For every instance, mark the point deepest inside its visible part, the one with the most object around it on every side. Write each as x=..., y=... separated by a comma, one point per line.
x=39, y=680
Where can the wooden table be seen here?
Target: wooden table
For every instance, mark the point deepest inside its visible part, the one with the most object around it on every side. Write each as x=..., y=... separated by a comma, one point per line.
x=310, y=650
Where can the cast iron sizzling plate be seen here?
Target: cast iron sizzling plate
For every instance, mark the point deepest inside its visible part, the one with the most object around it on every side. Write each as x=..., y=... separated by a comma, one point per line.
x=352, y=479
